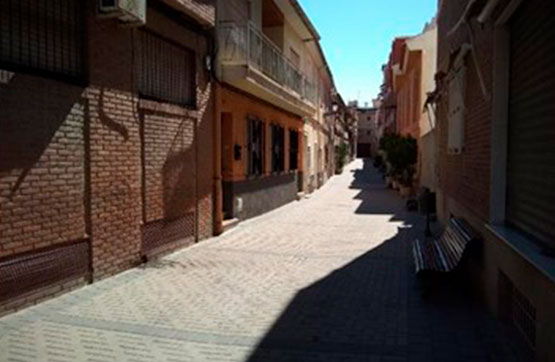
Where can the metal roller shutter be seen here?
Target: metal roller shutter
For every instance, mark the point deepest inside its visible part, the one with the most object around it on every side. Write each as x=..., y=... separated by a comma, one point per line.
x=531, y=150
x=42, y=37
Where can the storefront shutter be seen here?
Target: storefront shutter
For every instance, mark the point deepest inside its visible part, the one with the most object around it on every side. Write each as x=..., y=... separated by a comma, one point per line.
x=531, y=150
x=42, y=37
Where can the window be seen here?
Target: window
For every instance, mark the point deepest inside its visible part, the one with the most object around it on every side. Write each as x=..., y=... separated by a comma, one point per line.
x=278, y=148
x=42, y=37
x=165, y=70
x=293, y=149
x=455, y=136
x=530, y=194
x=255, y=146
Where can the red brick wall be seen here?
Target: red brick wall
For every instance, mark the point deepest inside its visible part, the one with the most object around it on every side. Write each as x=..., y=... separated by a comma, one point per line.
x=71, y=164
x=41, y=163
x=199, y=150
x=170, y=161
x=115, y=180
x=465, y=178
x=114, y=148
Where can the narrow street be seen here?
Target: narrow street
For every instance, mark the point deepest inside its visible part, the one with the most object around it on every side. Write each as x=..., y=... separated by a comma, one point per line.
x=329, y=278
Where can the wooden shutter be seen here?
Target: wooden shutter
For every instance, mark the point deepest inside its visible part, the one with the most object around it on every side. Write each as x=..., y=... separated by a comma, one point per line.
x=531, y=150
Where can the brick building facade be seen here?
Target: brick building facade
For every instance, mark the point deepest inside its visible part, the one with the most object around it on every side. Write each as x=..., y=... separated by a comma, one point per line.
x=489, y=74
x=102, y=145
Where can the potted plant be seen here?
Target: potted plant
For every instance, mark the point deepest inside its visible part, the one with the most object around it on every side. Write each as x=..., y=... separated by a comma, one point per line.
x=405, y=183
x=391, y=144
x=400, y=154
x=340, y=157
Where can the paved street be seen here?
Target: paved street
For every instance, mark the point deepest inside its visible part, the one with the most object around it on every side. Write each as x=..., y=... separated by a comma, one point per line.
x=328, y=278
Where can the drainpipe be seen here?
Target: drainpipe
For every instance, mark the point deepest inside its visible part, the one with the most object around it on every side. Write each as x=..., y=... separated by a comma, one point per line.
x=217, y=131
x=217, y=204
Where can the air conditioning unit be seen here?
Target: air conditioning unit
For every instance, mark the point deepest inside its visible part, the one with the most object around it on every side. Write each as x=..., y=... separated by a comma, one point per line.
x=131, y=12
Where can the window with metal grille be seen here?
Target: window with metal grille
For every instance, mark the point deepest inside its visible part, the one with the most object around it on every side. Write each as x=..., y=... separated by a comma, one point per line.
x=165, y=70
x=42, y=37
x=255, y=146
x=293, y=150
x=278, y=148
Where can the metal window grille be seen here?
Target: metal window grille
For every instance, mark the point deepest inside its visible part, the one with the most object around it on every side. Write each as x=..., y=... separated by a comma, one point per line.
x=25, y=273
x=165, y=70
x=42, y=36
x=161, y=235
x=278, y=149
x=255, y=145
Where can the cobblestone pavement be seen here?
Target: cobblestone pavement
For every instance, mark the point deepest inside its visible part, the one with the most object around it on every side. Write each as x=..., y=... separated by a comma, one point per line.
x=328, y=278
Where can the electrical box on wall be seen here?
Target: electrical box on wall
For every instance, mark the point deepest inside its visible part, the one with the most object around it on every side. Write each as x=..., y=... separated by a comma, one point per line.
x=238, y=204
x=130, y=12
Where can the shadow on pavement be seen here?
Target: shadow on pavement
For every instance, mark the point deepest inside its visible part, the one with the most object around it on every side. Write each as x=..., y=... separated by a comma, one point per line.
x=372, y=309
x=375, y=198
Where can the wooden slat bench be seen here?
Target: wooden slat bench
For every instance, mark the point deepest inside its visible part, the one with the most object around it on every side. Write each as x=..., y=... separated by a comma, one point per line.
x=445, y=253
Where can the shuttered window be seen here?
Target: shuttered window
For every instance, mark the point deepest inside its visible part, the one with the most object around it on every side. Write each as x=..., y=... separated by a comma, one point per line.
x=531, y=144
x=165, y=70
x=42, y=37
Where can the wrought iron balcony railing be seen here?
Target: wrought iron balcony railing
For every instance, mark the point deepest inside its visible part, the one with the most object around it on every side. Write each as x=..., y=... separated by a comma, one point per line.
x=245, y=44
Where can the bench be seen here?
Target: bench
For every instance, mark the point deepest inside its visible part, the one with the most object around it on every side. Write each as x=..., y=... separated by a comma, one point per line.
x=445, y=253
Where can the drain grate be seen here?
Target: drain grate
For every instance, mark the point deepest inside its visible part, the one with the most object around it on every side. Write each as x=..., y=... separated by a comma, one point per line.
x=158, y=234
x=31, y=271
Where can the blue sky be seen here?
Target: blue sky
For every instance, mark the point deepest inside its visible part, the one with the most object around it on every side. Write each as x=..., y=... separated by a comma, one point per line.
x=357, y=34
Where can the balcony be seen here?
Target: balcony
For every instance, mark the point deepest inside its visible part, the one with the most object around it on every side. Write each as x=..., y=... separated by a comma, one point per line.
x=252, y=62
